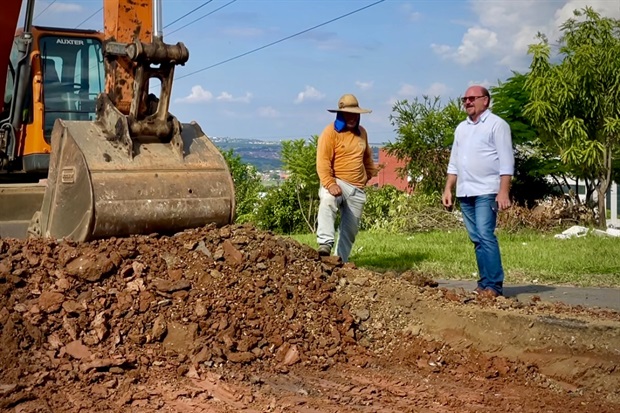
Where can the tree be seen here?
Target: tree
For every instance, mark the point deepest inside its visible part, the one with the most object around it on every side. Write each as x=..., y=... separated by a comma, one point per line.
x=425, y=131
x=247, y=186
x=299, y=158
x=575, y=103
x=534, y=161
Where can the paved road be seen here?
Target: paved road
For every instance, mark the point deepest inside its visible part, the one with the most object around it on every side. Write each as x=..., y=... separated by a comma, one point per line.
x=588, y=297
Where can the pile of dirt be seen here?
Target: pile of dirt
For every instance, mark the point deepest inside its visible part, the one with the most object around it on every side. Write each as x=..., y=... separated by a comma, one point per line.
x=71, y=312
x=236, y=319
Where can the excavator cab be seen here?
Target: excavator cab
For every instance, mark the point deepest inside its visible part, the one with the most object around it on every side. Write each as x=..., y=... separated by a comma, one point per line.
x=73, y=77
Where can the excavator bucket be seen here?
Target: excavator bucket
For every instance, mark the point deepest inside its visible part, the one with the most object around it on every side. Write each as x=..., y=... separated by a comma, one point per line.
x=97, y=187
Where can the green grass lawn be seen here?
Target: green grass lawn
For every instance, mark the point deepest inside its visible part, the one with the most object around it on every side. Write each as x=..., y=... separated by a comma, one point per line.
x=528, y=257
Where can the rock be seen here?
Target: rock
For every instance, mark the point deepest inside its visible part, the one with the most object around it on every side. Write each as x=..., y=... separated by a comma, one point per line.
x=292, y=356
x=180, y=337
x=7, y=389
x=90, y=267
x=50, y=302
x=203, y=249
x=362, y=314
x=413, y=329
x=5, y=268
x=168, y=286
x=175, y=275
x=159, y=328
x=244, y=357
x=72, y=307
x=232, y=254
x=201, y=309
x=77, y=350
x=360, y=281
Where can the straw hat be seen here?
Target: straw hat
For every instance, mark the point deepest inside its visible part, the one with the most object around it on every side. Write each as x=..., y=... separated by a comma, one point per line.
x=349, y=103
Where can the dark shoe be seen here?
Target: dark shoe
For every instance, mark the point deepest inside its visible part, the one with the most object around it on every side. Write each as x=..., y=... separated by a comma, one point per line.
x=478, y=290
x=324, y=250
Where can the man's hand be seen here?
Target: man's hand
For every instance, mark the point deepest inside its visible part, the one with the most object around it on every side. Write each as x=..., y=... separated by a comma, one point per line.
x=503, y=201
x=335, y=190
x=446, y=198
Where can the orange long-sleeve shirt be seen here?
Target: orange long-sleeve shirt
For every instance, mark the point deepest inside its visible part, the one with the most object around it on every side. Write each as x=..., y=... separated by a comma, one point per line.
x=345, y=156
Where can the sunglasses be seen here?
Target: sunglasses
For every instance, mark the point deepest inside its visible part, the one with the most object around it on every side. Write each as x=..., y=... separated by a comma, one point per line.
x=466, y=99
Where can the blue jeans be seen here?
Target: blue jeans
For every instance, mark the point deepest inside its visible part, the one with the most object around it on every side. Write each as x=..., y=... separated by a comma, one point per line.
x=350, y=204
x=480, y=218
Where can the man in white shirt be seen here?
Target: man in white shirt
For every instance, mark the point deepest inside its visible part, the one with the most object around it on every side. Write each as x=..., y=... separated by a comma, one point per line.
x=481, y=165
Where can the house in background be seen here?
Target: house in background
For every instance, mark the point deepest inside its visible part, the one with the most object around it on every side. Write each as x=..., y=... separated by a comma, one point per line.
x=388, y=174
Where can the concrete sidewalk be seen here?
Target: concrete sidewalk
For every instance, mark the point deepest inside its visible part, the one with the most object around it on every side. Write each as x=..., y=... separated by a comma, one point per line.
x=587, y=297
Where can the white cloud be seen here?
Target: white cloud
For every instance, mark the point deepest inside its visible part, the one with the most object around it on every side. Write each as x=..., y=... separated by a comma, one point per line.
x=414, y=16
x=408, y=90
x=437, y=89
x=64, y=8
x=197, y=95
x=227, y=97
x=410, y=14
x=476, y=42
x=268, y=112
x=310, y=93
x=505, y=29
x=364, y=85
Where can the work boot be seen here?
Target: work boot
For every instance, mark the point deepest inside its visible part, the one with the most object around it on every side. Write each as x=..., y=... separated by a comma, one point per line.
x=325, y=250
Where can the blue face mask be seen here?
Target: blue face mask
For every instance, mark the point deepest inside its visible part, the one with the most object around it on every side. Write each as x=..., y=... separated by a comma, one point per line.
x=340, y=123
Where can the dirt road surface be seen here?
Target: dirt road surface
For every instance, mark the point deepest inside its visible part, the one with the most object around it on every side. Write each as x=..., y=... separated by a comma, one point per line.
x=237, y=320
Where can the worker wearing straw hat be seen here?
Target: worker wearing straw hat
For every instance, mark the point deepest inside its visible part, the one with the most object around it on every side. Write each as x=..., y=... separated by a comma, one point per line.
x=344, y=165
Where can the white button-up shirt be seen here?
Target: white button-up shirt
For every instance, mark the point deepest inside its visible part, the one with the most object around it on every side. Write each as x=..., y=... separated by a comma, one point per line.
x=481, y=153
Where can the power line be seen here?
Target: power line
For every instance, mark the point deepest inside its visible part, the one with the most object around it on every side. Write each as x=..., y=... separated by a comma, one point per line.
x=200, y=18
x=188, y=13
x=281, y=40
x=88, y=18
x=48, y=6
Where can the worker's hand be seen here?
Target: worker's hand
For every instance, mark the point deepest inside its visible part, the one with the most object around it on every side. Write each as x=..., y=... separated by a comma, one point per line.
x=503, y=201
x=335, y=190
x=446, y=199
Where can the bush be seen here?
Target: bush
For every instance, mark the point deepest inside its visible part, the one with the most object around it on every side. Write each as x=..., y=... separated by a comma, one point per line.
x=391, y=210
x=379, y=202
x=247, y=186
x=550, y=215
x=279, y=211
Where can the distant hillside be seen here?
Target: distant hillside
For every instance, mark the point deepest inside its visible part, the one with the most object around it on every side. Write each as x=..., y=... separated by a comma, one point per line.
x=264, y=155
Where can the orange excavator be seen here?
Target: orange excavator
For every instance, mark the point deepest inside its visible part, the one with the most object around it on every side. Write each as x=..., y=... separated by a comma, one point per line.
x=86, y=151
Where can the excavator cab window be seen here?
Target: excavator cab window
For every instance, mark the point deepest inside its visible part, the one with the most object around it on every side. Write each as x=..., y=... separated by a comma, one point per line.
x=73, y=77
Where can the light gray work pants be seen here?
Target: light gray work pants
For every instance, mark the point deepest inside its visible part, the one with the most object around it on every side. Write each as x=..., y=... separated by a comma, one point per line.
x=350, y=205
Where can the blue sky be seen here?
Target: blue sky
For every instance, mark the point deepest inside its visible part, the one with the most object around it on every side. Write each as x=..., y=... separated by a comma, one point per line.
x=391, y=51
